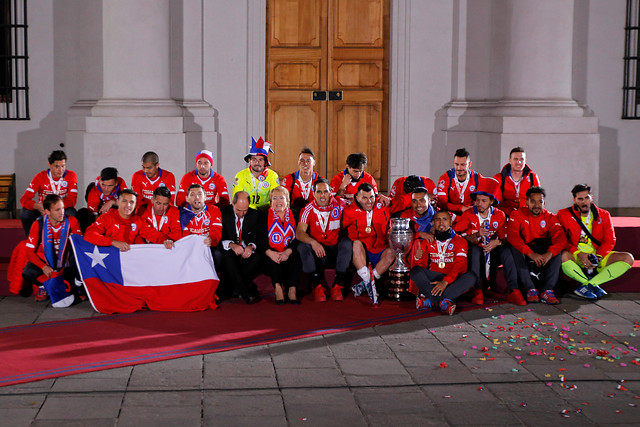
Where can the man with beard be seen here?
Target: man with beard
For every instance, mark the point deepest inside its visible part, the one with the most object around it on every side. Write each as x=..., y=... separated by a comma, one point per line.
x=515, y=179
x=367, y=222
x=440, y=267
x=321, y=245
x=299, y=183
x=456, y=185
x=589, y=257
x=257, y=180
x=536, y=239
x=199, y=218
x=214, y=184
x=485, y=228
x=145, y=181
x=161, y=223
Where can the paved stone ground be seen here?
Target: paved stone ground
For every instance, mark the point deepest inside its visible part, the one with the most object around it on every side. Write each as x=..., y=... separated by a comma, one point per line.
x=534, y=365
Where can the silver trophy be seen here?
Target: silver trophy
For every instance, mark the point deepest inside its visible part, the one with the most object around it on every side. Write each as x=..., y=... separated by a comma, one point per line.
x=400, y=238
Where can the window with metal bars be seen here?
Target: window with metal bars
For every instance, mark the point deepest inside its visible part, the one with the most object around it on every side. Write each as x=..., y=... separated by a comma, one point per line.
x=631, y=85
x=14, y=87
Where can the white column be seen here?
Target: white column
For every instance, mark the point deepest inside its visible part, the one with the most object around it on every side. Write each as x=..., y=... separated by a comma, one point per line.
x=136, y=49
x=152, y=97
x=539, y=48
x=534, y=108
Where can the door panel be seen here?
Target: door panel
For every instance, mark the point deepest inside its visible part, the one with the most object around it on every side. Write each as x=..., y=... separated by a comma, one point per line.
x=328, y=45
x=300, y=122
x=358, y=23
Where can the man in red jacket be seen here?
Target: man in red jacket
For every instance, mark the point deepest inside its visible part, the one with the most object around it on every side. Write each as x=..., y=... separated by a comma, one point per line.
x=161, y=223
x=440, y=267
x=485, y=228
x=536, y=238
x=47, y=249
x=214, y=184
x=55, y=180
x=117, y=227
x=515, y=179
x=456, y=185
x=151, y=176
x=367, y=223
x=589, y=257
x=321, y=244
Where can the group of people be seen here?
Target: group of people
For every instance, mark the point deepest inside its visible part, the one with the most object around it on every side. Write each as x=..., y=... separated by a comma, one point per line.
x=465, y=227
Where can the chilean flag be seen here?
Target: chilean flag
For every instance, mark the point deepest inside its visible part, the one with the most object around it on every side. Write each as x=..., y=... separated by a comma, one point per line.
x=148, y=276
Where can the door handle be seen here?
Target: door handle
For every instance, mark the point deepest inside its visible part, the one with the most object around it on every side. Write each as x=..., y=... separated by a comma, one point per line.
x=335, y=95
x=319, y=95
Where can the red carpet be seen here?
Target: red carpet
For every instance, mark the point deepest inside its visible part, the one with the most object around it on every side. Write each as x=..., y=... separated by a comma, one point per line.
x=54, y=349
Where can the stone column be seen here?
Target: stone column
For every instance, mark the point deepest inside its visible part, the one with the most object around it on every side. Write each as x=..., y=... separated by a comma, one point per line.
x=139, y=110
x=535, y=109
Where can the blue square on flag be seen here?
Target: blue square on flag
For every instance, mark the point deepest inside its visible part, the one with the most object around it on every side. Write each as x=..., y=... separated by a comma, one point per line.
x=101, y=262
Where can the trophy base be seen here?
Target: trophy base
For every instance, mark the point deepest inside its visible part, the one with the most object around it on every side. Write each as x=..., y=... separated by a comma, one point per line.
x=399, y=286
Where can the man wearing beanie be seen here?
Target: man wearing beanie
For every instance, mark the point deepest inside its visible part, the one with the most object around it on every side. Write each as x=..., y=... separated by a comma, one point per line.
x=214, y=184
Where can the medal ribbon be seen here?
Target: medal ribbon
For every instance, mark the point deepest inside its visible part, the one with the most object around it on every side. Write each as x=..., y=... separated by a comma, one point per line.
x=56, y=186
x=462, y=187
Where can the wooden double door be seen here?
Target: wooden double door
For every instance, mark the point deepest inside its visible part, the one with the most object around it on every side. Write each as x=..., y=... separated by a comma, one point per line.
x=327, y=83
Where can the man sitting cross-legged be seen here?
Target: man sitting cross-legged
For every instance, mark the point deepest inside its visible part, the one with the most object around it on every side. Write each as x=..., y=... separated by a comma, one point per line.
x=440, y=267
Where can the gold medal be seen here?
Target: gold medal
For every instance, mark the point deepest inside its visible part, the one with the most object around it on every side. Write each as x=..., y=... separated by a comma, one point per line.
x=368, y=229
x=441, y=264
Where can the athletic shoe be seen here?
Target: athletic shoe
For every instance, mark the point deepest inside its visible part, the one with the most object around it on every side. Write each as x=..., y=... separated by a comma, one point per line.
x=548, y=297
x=42, y=294
x=318, y=294
x=373, y=292
x=585, y=291
x=478, y=297
x=336, y=293
x=422, y=303
x=598, y=291
x=447, y=306
x=515, y=297
x=533, y=295
x=358, y=289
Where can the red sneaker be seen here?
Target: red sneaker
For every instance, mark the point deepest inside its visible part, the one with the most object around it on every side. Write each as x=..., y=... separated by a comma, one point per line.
x=515, y=297
x=42, y=294
x=336, y=293
x=318, y=294
x=478, y=297
x=548, y=297
x=447, y=306
x=533, y=295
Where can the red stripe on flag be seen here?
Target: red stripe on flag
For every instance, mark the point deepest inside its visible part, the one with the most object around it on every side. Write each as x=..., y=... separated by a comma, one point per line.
x=110, y=298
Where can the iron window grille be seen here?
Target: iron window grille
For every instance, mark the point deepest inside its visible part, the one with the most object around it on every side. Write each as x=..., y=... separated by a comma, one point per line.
x=14, y=87
x=631, y=85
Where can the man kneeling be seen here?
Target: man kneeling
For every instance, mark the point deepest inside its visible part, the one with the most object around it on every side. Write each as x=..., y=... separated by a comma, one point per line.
x=440, y=267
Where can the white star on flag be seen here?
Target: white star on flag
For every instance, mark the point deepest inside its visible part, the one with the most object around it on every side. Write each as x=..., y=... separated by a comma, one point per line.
x=96, y=257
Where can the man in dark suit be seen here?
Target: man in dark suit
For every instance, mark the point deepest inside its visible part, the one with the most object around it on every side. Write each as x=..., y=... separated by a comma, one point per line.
x=236, y=254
